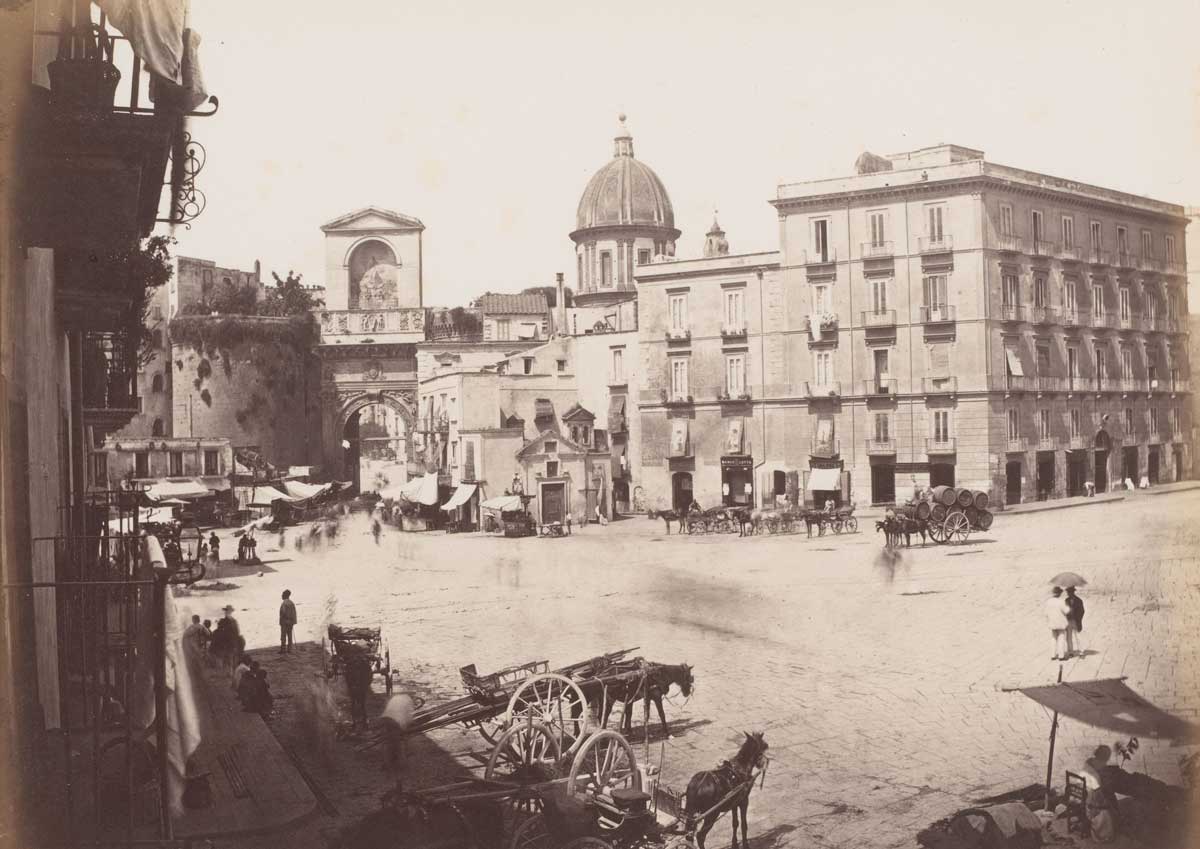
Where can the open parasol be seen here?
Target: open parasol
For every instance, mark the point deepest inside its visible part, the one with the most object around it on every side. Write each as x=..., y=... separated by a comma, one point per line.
x=1068, y=579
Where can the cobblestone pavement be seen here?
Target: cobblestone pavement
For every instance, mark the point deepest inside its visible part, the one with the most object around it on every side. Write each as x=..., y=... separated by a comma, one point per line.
x=879, y=689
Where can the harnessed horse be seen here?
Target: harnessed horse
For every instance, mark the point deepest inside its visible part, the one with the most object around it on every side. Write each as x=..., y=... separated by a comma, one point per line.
x=727, y=788
x=651, y=687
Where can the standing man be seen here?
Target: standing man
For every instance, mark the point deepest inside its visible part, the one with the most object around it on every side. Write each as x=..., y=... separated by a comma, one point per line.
x=287, y=621
x=1074, y=622
x=1056, y=617
x=358, y=687
x=214, y=545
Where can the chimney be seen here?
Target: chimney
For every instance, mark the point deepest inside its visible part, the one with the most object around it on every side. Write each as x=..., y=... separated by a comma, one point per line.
x=560, y=310
x=257, y=271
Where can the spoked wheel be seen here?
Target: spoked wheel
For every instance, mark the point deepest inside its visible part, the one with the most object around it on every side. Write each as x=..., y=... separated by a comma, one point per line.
x=555, y=701
x=603, y=764
x=852, y=525
x=697, y=528
x=491, y=729
x=531, y=834
x=836, y=524
x=957, y=528
x=525, y=754
x=937, y=531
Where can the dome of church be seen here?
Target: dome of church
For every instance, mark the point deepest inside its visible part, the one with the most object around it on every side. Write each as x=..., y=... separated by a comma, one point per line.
x=625, y=192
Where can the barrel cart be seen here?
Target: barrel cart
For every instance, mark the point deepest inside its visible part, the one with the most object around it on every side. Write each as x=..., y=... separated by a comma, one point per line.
x=952, y=514
x=341, y=643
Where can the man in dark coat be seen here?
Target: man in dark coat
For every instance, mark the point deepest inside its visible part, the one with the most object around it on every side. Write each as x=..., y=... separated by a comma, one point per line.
x=1074, y=622
x=358, y=686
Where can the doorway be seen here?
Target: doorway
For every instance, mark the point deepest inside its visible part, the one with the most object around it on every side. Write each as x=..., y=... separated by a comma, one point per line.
x=1178, y=464
x=1152, y=465
x=1012, y=482
x=1076, y=472
x=1101, y=468
x=554, y=502
x=941, y=474
x=737, y=488
x=620, y=490
x=1129, y=464
x=881, y=371
x=883, y=484
x=681, y=490
x=1045, y=475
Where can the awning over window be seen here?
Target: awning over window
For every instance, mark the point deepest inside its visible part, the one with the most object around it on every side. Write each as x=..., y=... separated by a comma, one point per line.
x=1109, y=704
x=171, y=489
x=265, y=496
x=616, y=414
x=1014, y=363
x=542, y=408
x=679, y=438
x=734, y=436
x=301, y=490
x=460, y=497
x=824, y=480
x=502, y=503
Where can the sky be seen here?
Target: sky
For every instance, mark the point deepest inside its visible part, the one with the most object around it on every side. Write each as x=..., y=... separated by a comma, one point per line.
x=486, y=120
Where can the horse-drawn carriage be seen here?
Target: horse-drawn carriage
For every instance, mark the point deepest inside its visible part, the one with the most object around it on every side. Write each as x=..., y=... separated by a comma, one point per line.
x=182, y=552
x=946, y=515
x=790, y=521
x=717, y=520
x=341, y=644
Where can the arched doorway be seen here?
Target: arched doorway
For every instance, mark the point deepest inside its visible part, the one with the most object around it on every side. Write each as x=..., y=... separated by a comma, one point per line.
x=374, y=432
x=681, y=490
x=1103, y=446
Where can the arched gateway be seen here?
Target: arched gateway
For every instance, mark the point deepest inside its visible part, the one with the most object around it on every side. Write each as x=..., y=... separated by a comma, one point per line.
x=370, y=327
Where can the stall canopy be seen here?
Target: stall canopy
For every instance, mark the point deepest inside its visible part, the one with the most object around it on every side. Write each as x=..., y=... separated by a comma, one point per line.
x=824, y=480
x=265, y=496
x=422, y=490
x=172, y=489
x=503, y=503
x=147, y=515
x=460, y=497
x=298, y=490
x=1109, y=704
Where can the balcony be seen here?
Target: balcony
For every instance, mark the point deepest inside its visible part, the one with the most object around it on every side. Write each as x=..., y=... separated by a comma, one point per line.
x=1126, y=260
x=931, y=245
x=1016, y=445
x=110, y=398
x=1129, y=440
x=1075, y=317
x=832, y=389
x=676, y=400
x=1077, y=443
x=1070, y=253
x=1012, y=312
x=678, y=334
x=940, y=446
x=880, y=250
x=1043, y=315
x=729, y=331
x=1047, y=443
x=1128, y=321
x=939, y=385
x=1096, y=256
x=879, y=319
x=1174, y=266
x=825, y=328
x=1042, y=247
x=880, y=447
x=723, y=396
x=1050, y=384
x=1009, y=243
x=1010, y=383
x=824, y=447
x=879, y=387
x=1149, y=262
x=824, y=257
x=1104, y=320
x=342, y=327
x=941, y=314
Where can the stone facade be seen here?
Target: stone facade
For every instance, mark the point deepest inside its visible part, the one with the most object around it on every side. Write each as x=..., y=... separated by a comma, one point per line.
x=196, y=280
x=208, y=461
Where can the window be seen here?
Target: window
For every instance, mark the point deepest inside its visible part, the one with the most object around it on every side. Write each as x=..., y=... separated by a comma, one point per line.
x=550, y=446
x=735, y=375
x=1070, y=299
x=941, y=425
x=156, y=312
x=157, y=428
x=1169, y=245
x=821, y=300
x=1126, y=362
x=212, y=462
x=1123, y=301
x=551, y=468
x=579, y=269
x=821, y=239
x=1122, y=241
x=678, y=311
x=882, y=368
x=1101, y=363
x=879, y=296
x=1151, y=368
x=561, y=364
x=176, y=466
x=100, y=470
x=1036, y=223
x=1039, y=292
x=643, y=256
x=735, y=312
x=606, y=277
x=1097, y=300
x=1044, y=424
x=1011, y=290
x=1129, y=421
x=156, y=384
x=1014, y=425
x=1072, y=363
x=582, y=434
x=936, y=233
x=1068, y=232
x=823, y=368
x=1097, y=238
x=528, y=364
x=156, y=339
x=933, y=291
x=881, y=427
x=1006, y=220
x=1074, y=424
x=875, y=221
x=1043, y=360
x=1147, y=243
x=1154, y=421
x=1173, y=421
x=679, y=378
x=141, y=464
x=618, y=365
x=503, y=329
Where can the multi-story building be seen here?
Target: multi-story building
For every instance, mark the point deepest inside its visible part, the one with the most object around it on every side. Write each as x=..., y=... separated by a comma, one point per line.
x=207, y=462
x=514, y=317
x=196, y=281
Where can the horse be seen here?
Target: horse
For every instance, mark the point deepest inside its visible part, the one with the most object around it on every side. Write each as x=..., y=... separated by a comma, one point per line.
x=652, y=688
x=743, y=518
x=669, y=516
x=895, y=527
x=709, y=787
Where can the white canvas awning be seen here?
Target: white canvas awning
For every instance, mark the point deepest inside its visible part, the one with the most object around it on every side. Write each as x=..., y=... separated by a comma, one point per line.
x=1014, y=363
x=298, y=490
x=265, y=496
x=147, y=515
x=460, y=497
x=824, y=480
x=503, y=503
x=173, y=489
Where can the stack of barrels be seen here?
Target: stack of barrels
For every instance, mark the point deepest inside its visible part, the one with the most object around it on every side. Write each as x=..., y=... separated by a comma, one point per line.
x=946, y=499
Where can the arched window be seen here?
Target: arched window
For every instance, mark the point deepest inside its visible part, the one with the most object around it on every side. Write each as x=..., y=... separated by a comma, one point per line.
x=156, y=339
x=156, y=385
x=157, y=428
x=380, y=291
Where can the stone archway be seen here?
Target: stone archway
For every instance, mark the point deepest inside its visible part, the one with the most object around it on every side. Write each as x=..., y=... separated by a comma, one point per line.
x=349, y=402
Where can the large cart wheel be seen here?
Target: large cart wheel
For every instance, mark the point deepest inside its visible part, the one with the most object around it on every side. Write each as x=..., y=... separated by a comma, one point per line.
x=958, y=527
x=936, y=531
x=852, y=525
x=491, y=729
x=603, y=764
x=557, y=702
x=836, y=524
x=531, y=834
x=526, y=754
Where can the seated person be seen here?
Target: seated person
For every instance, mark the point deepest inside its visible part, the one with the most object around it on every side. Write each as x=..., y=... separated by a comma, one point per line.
x=1101, y=801
x=239, y=673
x=253, y=691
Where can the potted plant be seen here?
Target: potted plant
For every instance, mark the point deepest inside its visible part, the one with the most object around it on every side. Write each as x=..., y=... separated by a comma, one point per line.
x=83, y=77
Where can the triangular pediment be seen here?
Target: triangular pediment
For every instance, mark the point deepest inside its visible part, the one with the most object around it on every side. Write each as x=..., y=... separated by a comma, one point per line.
x=537, y=445
x=372, y=218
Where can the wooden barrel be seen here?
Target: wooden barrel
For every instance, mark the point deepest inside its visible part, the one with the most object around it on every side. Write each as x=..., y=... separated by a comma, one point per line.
x=982, y=500
x=972, y=515
x=946, y=495
x=924, y=509
x=985, y=520
x=938, y=512
x=965, y=498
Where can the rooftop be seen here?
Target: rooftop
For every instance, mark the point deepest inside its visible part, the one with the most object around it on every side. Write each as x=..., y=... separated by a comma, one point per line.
x=706, y=264
x=505, y=304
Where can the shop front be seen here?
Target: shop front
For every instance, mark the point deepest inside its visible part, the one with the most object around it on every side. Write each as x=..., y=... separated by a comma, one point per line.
x=737, y=467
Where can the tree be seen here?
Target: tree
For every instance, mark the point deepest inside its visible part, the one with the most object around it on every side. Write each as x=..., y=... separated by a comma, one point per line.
x=551, y=293
x=289, y=297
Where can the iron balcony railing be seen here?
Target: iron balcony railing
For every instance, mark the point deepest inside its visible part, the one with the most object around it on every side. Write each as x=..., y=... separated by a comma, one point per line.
x=1012, y=312
x=1051, y=384
x=940, y=314
x=1047, y=443
x=1076, y=317
x=1044, y=247
x=1009, y=243
x=1097, y=256
x=1127, y=321
x=1149, y=262
x=1016, y=444
x=947, y=445
x=819, y=257
x=830, y=389
x=1174, y=266
x=879, y=386
x=878, y=250
x=939, y=385
x=110, y=371
x=1104, y=319
x=824, y=447
x=1072, y=253
x=879, y=318
x=1126, y=259
x=935, y=244
x=1043, y=315
x=876, y=447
